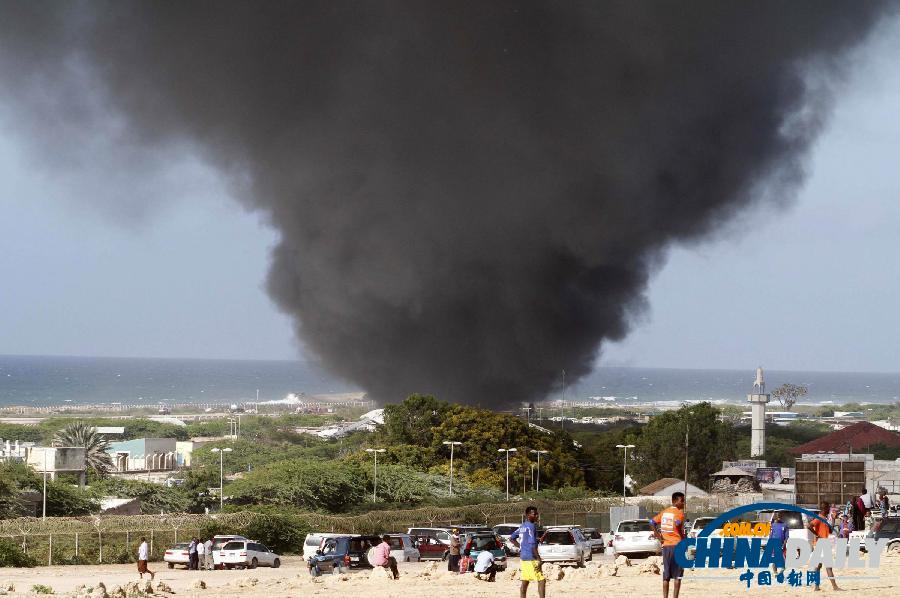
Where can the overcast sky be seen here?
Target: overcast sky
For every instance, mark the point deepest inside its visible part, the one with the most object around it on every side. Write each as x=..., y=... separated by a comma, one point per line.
x=812, y=287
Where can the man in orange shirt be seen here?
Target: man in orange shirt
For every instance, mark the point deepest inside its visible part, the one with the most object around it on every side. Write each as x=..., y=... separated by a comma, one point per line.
x=822, y=531
x=668, y=526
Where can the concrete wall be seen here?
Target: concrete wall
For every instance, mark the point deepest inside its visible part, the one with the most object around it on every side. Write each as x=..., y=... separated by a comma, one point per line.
x=142, y=454
x=58, y=458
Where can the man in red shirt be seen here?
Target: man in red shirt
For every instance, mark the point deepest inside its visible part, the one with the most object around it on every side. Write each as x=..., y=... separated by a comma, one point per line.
x=822, y=532
x=668, y=526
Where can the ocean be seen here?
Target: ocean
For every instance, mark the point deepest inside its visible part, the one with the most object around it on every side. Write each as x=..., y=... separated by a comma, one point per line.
x=44, y=381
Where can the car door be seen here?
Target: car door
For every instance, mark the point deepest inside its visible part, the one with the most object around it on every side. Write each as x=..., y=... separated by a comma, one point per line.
x=265, y=555
x=329, y=554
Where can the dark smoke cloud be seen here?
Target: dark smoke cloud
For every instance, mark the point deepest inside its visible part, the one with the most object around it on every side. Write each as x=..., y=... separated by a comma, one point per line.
x=470, y=196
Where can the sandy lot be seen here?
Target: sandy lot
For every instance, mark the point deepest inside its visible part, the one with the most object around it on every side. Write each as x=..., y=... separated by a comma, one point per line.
x=292, y=579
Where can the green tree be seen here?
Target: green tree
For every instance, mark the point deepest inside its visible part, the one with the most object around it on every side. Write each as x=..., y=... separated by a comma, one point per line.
x=789, y=394
x=316, y=486
x=412, y=421
x=155, y=498
x=81, y=434
x=661, y=448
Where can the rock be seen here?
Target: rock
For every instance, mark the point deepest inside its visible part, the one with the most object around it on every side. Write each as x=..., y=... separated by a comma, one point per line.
x=198, y=584
x=163, y=588
x=99, y=591
x=8, y=585
x=380, y=574
x=117, y=592
x=608, y=571
x=623, y=561
x=429, y=569
x=553, y=572
x=649, y=567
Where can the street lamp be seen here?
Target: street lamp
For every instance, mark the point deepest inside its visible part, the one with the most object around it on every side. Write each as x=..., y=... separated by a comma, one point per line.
x=451, y=443
x=44, y=515
x=624, y=463
x=507, y=451
x=221, y=474
x=539, y=453
x=375, y=485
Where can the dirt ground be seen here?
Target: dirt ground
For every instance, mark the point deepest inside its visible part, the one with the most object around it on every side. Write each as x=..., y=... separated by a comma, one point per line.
x=292, y=579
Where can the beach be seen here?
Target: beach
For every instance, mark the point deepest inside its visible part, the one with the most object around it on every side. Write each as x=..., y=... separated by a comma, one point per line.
x=431, y=578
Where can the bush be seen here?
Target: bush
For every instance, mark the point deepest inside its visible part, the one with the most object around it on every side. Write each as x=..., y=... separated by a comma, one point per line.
x=11, y=555
x=41, y=589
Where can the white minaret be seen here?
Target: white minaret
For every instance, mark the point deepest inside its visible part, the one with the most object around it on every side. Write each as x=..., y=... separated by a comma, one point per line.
x=758, y=400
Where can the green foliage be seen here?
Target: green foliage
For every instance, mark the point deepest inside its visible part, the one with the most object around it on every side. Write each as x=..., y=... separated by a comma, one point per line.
x=84, y=435
x=882, y=451
x=11, y=555
x=412, y=421
x=41, y=589
x=661, y=448
x=316, y=486
x=63, y=500
x=602, y=462
x=283, y=534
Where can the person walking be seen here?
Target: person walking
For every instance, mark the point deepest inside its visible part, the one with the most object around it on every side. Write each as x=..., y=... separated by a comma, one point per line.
x=779, y=533
x=530, y=559
x=821, y=531
x=207, y=546
x=453, y=559
x=143, y=557
x=383, y=558
x=192, y=555
x=668, y=527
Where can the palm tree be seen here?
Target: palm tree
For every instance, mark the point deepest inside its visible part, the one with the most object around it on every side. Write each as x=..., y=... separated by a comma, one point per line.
x=83, y=435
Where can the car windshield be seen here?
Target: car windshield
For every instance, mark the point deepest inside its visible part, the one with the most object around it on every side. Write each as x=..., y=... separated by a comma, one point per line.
x=484, y=542
x=363, y=544
x=558, y=537
x=634, y=526
x=701, y=523
x=233, y=546
x=396, y=544
x=181, y=545
x=791, y=520
x=593, y=534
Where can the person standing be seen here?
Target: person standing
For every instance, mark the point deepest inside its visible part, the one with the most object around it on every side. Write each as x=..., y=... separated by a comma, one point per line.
x=143, y=557
x=192, y=555
x=208, y=545
x=383, y=558
x=779, y=533
x=529, y=557
x=668, y=526
x=453, y=559
x=485, y=565
x=201, y=554
x=821, y=531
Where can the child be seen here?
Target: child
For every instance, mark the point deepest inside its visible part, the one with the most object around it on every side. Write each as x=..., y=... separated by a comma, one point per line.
x=466, y=562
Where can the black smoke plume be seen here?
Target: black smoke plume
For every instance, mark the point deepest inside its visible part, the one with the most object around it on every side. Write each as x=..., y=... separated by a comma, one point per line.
x=470, y=195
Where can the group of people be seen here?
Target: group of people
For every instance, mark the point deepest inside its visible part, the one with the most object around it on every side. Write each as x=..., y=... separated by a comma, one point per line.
x=858, y=513
x=461, y=561
x=200, y=555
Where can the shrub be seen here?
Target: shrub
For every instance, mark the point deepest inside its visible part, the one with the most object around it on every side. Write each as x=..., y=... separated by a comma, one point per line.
x=41, y=589
x=11, y=555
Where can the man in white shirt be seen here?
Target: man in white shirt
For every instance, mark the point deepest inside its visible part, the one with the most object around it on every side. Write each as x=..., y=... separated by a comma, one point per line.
x=143, y=557
x=484, y=565
x=201, y=554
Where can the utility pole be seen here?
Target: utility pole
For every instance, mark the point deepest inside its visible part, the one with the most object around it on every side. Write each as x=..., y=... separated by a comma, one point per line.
x=452, y=443
x=507, y=451
x=221, y=474
x=624, y=466
x=375, y=483
x=539, y=453
x=686, y=445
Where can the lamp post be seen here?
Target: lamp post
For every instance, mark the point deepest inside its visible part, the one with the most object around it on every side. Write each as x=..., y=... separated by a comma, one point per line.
x=624, y=464
x=451, y=444
x=375, y=485
x=539, y=453
x=44, y=515
x=507, y=451
x=221, y=474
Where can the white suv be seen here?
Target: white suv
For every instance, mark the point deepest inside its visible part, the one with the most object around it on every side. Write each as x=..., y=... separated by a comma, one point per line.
x=245, y=554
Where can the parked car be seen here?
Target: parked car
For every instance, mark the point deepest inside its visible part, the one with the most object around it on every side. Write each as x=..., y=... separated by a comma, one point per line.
x=220, y=541
x=178, y=555
x=245, y=554
x=342, y=552
x=635, y=536
x=475, y=542
x=442, y=534
x=890, y=529
x=565, y=543
x=404, y=549
x=504, y=531
x=313, y=542
x=797, y=524
x=594, y=539
x=431, y=548
x=699, y=524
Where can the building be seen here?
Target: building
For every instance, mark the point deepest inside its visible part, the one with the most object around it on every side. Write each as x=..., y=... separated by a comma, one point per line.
x=856, y=438
x=58, y=459
x=668, y=486
x=143, y=454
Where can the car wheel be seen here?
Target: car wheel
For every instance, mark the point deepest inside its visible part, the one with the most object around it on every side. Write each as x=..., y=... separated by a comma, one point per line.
x=580, y=563
x=277, y=563
x=171, y=565
x=254, y=563
x=590, y=556
x=229, y=567
x=894, y=547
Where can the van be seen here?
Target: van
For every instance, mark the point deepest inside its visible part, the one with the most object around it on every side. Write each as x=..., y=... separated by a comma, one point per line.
x=313, y=542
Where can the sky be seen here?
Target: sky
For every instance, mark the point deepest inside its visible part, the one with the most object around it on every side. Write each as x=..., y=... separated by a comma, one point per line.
x=813, y=286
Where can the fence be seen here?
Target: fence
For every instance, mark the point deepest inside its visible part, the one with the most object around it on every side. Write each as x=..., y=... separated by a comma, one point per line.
x=113, y=538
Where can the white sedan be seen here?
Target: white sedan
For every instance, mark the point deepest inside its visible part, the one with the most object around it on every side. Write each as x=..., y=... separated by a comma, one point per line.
x=245, y=554
x=635, y=536
x=178, y=555
x=565, y=543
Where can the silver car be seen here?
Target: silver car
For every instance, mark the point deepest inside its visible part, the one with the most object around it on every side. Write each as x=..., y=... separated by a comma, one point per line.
x=565, y=544
x=635, y=536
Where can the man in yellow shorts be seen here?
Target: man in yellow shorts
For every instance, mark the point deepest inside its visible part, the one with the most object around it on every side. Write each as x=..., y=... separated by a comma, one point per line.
x=526, y=539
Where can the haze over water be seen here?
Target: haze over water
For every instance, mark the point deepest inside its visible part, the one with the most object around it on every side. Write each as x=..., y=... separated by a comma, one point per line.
x=34, y=380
